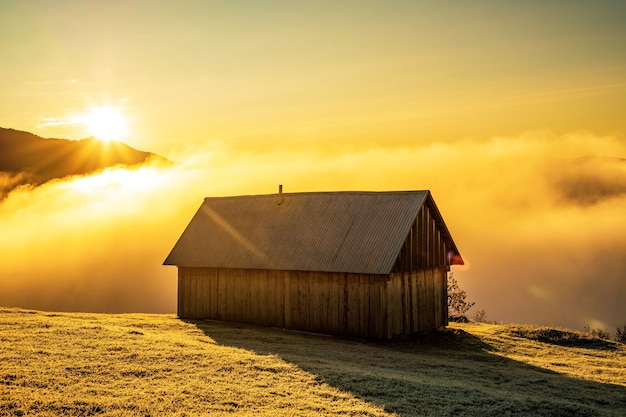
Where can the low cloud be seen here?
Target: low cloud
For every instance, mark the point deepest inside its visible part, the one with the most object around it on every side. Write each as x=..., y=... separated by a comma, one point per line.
x=539, y=219
x=588, y=181
x=10, y=181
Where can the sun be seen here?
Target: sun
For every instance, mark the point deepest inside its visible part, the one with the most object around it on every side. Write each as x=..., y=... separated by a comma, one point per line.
x=105, y=122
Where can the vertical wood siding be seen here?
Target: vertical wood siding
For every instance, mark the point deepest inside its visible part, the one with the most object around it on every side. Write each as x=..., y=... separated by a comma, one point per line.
x=424, y=247
x=361, y=305
x=417, y=301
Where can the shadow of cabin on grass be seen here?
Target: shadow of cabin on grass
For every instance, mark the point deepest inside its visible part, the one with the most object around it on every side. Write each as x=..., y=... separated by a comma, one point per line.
x=448, y=372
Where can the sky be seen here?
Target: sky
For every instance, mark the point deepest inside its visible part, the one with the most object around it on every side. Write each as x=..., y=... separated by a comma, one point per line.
x=511, y=113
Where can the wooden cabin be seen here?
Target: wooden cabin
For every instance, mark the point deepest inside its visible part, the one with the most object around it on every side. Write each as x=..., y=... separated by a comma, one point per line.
x=362, y=264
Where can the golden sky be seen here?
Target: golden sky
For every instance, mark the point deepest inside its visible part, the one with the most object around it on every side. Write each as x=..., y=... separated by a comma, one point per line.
x=293, y=74
x=512, y=113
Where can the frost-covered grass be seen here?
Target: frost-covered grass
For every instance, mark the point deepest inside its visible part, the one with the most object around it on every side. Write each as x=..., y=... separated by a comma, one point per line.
x=79, y=364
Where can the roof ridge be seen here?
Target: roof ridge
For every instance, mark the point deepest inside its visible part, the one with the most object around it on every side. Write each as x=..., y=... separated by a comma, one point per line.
x=322, y=193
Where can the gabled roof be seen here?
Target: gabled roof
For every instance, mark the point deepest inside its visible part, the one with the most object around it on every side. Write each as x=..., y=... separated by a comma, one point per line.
x=359, y=232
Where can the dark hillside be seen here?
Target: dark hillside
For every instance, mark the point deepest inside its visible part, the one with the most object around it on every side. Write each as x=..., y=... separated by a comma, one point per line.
x=35, y=160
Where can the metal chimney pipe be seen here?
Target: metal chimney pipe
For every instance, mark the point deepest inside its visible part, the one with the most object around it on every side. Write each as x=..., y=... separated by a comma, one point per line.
x=280, y=194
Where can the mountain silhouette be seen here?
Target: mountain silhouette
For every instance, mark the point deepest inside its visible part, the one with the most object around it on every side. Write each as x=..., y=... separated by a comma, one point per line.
x=26, y=158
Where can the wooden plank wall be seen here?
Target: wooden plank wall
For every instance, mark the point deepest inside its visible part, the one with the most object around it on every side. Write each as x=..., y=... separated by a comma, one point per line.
x=417, y=301
x=362, y=305
x=331, y=303
x=424, y=247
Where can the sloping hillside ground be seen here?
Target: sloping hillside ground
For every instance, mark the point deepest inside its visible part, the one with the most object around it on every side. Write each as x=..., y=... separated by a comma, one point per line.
x=78, y=364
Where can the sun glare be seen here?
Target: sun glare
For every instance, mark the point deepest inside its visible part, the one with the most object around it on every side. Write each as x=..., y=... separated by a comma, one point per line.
x=106, y=122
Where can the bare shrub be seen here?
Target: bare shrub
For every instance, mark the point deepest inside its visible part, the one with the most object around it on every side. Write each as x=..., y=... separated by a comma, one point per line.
x=620, y=334
x=457, y=299
x=598, y=333
x=480, y=316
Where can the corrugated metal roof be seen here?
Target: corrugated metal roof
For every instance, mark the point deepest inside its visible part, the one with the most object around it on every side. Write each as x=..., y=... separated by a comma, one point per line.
x=359, y=232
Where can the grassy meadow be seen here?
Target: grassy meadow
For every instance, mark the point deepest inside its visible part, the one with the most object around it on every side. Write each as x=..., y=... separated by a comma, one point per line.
x=79, y=364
